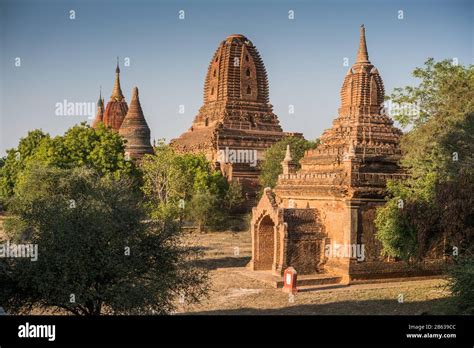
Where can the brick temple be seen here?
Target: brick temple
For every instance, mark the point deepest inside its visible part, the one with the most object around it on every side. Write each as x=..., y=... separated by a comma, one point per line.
x=320, y=219
x=237, y=117
x=127, y=121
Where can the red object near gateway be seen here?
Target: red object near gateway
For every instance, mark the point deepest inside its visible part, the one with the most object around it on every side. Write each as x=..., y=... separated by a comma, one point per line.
x=289, y=280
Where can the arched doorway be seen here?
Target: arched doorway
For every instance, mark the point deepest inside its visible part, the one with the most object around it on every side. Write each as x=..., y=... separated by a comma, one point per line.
x=265, y=243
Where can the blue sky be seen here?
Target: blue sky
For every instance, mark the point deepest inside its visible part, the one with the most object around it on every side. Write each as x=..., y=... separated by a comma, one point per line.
x=64, y=59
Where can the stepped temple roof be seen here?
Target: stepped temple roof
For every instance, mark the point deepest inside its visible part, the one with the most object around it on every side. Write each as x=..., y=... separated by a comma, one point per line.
x=236, y=112
x=330, y=204
x=362, y=138
x=236, y=98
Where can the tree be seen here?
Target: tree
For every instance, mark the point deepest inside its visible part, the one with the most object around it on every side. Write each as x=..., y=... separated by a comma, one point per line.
x=100, y=149
x=203, y=209
x=96, y=251
x=271, y=167
x=184, y=185
x=164, y=183
x=233, y=197
x=16, y=160
x=436, y=210
x=461, y=283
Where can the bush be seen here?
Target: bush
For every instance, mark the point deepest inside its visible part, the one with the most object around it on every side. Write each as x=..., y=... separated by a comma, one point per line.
x=181, y=186
x=95, y=243
x=274, y=155
x=461, y=283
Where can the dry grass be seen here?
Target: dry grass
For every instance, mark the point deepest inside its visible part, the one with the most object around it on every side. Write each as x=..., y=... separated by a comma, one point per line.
x=234, y=293
x=2, y=231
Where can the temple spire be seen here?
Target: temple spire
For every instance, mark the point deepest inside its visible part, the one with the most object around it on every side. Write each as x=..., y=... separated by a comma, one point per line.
x=117, y=91
x=287, y=154
x=135, y=129
x=135, y=109
x=362, y=54
x=288, y=165
x=100, y=101
x=99, y=116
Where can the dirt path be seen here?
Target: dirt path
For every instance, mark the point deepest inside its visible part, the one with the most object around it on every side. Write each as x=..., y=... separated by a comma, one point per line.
x=231, y=292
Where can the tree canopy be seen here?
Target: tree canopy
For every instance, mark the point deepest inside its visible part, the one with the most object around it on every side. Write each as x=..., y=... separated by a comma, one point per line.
x=274, y=155
x=185, y=186
x=97, y=253
x=437, y=201
x=100, y=149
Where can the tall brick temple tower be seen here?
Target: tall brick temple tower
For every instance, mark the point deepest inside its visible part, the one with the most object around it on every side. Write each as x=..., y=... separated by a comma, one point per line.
x=128, y=122
x=116, y=108
x=236, y=115
x=320, y=219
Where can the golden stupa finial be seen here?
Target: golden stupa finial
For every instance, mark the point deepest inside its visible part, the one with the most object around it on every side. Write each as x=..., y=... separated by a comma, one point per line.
x=117, y=91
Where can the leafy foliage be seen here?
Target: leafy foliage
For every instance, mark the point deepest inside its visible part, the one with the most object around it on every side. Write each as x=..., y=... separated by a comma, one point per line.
x=17, y=159
x=84, y=224
x=100, y=149
x=444, y=88
x=271, y=167
x=437, y=153
x=185, y=186
x=461, y=280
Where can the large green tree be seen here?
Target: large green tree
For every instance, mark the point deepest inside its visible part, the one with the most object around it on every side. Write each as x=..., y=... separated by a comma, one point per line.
x=185, y=186
x=97, y=252
x=17, y=159
x=100, y=149
x=433, y=208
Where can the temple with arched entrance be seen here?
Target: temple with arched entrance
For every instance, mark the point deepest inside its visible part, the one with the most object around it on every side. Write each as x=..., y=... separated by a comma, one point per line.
x=283, y=237
x=320, y=218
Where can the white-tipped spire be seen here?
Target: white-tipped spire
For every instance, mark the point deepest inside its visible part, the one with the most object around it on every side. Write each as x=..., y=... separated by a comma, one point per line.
x=287, y=154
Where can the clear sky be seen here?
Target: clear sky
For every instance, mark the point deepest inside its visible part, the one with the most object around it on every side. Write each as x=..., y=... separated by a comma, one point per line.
x=64, y=59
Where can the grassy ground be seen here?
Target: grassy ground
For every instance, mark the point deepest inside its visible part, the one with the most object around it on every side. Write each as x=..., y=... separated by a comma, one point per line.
x=225, y=253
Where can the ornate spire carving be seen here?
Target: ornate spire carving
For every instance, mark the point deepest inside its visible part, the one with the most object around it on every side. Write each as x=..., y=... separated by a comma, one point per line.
x=117, y=91
x=362, y=90
x=117, y=107
x=236, y=97
x=362, y=129
x=236, y=113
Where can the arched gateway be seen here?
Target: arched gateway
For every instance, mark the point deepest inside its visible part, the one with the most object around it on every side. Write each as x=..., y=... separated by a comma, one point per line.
x=322, y=214
x=285, y=236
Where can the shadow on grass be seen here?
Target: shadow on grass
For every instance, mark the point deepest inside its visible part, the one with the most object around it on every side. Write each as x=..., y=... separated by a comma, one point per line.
x=442, y=306
x=223, y=262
